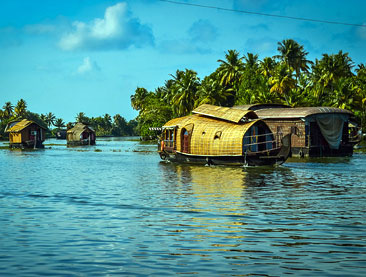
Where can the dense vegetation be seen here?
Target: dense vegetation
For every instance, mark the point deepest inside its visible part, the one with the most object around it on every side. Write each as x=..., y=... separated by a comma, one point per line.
x=287, y=78
x=103, y=125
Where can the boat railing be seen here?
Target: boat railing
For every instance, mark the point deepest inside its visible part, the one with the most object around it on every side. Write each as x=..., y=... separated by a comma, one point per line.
x=168, y=144
x=354, y=138
x=256, y=143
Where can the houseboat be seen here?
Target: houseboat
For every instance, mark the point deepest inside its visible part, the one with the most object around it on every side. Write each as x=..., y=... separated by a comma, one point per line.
x=318, y=131
x=61, y=134
x=80, y=134
x=25, y=134
x=220, y=135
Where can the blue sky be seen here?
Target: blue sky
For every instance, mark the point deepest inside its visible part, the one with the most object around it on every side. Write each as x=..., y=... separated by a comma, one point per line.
x=71, y=56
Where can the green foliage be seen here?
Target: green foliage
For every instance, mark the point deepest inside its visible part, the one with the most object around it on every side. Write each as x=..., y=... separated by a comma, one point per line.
x=108, y=126
x=104, y=126
x=287, y=78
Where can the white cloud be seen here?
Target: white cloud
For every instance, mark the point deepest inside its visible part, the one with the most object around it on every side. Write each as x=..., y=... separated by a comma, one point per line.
x=87, y=66
x=117, y=30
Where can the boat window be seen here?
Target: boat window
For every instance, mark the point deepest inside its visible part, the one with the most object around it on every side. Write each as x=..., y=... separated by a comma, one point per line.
x=217, y=135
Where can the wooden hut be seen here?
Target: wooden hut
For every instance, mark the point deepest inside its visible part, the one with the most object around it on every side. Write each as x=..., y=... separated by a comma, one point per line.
x=319, y=131
x=25, y=134
x=220, y=135
x=80, y=134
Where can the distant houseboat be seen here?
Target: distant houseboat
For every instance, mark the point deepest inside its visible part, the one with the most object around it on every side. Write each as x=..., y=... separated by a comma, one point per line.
x=319, y=131
x=220, y=135
x=80, y=134
x=61, y=134
x=25, y=134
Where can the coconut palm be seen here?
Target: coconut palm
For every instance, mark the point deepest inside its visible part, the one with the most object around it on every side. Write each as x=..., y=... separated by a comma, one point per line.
x=267, y=66
x=251, y=62
x=327, y=71
x=21, y=108
x=8, y=110
x=59, y=123
x=293, y=55
x=230, y=68
x=82, y=118
x=343, y=94
x=137, y=100
x=186, y=84
x=282, y=82
x=210, y=92
x=50, y=119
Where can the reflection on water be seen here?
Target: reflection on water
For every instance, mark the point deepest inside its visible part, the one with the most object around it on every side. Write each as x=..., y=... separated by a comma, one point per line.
x=115, y=208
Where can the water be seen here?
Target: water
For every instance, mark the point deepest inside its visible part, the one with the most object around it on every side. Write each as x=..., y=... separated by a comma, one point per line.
x=116, y=209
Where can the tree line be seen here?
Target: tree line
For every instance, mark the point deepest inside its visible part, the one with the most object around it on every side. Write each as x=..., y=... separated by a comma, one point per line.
x=287, y=78
x=103, y=125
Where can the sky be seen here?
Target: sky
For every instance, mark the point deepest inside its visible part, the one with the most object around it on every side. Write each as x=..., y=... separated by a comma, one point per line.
x=71, y=56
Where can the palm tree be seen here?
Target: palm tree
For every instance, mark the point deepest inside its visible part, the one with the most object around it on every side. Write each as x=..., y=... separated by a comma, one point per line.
x=267, y=66
x=8, y=110
x=229, y=72
x=210, y=92
x=186, y=84
x=327, y=71
x=50, y=119
x=82, y=118
x=138, y=99
x=230, y=68
x=343, y=94
x=251, y=62
x=293, y=55
x=282, y=82
x=21, y=108
x=59, y=123
x=107, y=122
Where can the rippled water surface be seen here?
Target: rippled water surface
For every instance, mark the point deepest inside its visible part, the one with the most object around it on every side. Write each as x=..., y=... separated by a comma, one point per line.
x=115, y=208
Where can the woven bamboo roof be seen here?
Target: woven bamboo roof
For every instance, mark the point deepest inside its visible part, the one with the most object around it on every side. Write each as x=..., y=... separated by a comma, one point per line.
x=224, y=113
x=19, y=126
x=300, y=112
x=210, y=136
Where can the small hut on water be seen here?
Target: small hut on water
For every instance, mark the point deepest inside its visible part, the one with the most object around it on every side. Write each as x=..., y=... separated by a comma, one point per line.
x=319, y=131
x=80, y=134
x=25, y=134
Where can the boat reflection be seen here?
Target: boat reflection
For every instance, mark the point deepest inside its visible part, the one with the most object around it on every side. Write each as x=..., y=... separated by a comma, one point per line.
x=217, y=197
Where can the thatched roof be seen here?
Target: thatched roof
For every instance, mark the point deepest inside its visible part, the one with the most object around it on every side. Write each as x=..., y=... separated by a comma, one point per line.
x=224, y=113
x=300, y=112
x=211, y=137
x=78, y=129
x=19, y=126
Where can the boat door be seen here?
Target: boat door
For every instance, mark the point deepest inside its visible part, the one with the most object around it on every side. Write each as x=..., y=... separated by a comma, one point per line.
x=185, y=141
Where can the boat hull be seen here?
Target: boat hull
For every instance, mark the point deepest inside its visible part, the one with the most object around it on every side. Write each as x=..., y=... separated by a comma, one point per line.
x=269, y=157
x=250, y=160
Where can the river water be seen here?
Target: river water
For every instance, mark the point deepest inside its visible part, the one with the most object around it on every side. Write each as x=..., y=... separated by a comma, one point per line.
x=116, y=209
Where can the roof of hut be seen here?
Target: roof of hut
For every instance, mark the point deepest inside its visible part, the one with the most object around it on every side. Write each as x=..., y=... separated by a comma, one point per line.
x=79, y=128
x=210, y=136
x=300, y=112
x=225, y=113
x=19, y=126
